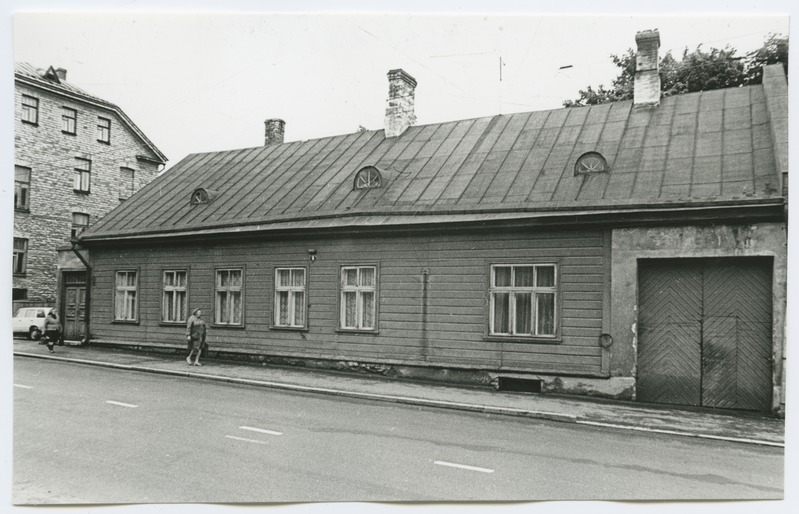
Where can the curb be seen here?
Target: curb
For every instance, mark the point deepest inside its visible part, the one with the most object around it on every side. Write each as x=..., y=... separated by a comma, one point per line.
x=468, y=407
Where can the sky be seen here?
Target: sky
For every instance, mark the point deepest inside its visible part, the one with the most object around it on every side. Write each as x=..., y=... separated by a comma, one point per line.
x=203, y=75
x=200, y=81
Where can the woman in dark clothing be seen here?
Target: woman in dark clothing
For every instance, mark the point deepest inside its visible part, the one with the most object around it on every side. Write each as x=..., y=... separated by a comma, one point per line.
x=52, y=330
x=195, y=335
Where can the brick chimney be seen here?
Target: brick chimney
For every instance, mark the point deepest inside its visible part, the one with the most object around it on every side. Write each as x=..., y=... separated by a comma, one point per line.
x=273, y=132
x=62, y=73
x=647, y=69
x=400, y=104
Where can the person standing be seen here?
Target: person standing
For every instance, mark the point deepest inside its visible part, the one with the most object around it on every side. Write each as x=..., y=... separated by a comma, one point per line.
x=195, y=335
x=52, y=330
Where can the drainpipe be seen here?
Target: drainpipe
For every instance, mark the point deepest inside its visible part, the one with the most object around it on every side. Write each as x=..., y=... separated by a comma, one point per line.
x=86, y=302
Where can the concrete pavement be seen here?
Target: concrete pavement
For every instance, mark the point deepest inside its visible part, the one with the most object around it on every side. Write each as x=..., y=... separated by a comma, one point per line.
x=719, y=425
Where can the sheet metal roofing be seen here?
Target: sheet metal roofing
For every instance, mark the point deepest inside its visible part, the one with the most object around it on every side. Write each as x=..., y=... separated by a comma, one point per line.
x=48, y=79
x=714, y=146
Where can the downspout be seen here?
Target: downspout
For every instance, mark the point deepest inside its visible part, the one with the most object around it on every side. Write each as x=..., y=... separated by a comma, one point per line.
x=87, y=300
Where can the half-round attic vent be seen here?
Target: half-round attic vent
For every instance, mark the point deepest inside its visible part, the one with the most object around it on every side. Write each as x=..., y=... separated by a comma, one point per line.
x=591, y=162
x=368, y=177
x=202, y=196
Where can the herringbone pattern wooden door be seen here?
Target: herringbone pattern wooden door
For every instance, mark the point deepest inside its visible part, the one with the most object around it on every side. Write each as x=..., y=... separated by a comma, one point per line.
x=670, y=331
x=736, y=336
x=705, y=332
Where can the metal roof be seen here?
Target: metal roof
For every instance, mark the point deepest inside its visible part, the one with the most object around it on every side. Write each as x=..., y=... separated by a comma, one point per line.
x=714, y=146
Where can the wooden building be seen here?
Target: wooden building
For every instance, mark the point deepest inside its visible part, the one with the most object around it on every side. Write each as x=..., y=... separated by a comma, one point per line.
x=628, y=250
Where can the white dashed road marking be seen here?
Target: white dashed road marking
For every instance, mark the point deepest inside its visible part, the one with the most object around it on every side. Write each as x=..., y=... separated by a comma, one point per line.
x=129, y=405
x=23, y=387
x=463, y=466
x=243, y=439
x=261, y=430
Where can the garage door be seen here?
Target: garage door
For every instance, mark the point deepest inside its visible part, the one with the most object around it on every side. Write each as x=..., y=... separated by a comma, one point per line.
x=704, y=332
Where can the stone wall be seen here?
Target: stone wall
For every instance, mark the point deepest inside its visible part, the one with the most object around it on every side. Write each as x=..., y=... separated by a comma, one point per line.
x=51, y=156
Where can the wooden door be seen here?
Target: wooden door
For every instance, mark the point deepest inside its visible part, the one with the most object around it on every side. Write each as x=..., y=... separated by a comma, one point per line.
x=705, y=332
x=736, y=336
x=670, y=334
x=75, y=313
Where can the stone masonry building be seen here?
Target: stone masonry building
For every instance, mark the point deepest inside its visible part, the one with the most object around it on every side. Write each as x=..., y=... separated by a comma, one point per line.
x=76, y=157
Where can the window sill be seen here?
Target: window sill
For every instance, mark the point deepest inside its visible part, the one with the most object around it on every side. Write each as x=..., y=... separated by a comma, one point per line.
x=81, y=191
x=522, y=339
x=66, y=133
x=22, y=209
x=125, y=322
x=373, y=332
x=21, y=275
x=34, y=123
x=172, y=323
x=288, y=329
x=234, y=327
x=104, y=142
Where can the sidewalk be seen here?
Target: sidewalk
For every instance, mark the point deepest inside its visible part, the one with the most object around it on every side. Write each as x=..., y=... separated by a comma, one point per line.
x=738, y=427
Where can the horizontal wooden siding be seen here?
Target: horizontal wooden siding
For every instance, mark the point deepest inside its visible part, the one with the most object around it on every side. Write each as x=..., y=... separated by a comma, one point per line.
x=454, y=329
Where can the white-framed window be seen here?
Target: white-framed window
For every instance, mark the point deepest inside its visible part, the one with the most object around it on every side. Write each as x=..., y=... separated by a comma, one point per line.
x=523, y=300
x=20, y=256
x=103, y=130
x=80, y=222
x=358, y=297
x=125, y=297
x=83, y=175
x=290, y=297
x=22, y=187
x=228, y=292
x=30, y=109
x=69, y=120
x=173, y=305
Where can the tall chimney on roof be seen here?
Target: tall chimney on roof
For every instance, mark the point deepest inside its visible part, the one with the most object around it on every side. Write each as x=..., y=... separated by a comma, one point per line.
x=62, y=73
x=274, y=130
x=400, y=104
x=647, y=69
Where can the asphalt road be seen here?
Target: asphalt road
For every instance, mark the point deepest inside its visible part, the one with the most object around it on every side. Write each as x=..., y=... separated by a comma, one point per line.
x=87, y=434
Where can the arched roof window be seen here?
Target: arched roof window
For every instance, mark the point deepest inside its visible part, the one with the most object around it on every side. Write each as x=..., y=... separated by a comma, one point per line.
x=368, y=178
x=590, y=162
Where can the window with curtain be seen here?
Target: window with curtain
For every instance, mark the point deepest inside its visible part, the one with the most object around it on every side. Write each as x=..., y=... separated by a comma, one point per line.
x=125, y=299
x=80, y=222
x=22, y=187
x=228, y=297
x=173, y=305
x=290, y=297
x=83, y=173
x=523, y=299
x=358, y=297
x=20, y=265
x=30, y=109
x=69, y=120
x=103, y=130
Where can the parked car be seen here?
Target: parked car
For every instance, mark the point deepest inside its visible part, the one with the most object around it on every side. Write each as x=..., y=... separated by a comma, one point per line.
x=30, y=321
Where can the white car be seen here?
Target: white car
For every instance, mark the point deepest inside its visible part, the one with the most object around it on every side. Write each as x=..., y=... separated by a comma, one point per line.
x=30, y=321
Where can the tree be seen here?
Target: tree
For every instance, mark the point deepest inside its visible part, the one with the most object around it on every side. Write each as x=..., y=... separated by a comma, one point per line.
x=699, y=70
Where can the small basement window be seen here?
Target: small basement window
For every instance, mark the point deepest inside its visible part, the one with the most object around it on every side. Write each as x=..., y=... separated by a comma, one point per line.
x=591, y=162
x=368, y=178
x=520, y=385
